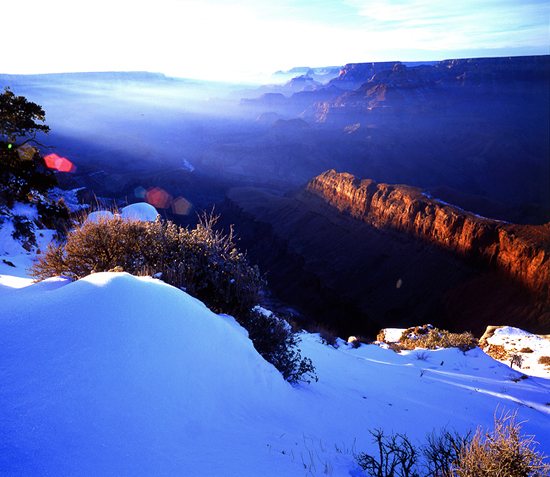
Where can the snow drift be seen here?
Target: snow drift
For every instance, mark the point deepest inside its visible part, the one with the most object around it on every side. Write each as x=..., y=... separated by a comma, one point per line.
x=117, y=375
x=119, y=367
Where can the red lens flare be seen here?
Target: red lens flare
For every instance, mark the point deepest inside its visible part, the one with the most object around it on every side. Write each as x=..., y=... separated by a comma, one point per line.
x=158, y=198
x=62, y=164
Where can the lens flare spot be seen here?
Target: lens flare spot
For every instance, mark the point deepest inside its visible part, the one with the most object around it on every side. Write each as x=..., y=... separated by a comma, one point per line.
x=140, y=192
x=61, y=164
x=158, y=198
x=181, y=206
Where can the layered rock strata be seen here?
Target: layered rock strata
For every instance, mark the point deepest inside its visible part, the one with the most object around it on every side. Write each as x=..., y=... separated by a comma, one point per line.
x=520, y=252
x=359, y=256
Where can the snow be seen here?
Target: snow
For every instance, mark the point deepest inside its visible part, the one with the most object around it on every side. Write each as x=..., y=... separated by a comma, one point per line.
x=392, y=335
x=99, y=215
x=139, y=211
x=187, y=166
x=8, y=246
x=26, y=210
x=119, y=375
x=70, y=198
x=13, y=252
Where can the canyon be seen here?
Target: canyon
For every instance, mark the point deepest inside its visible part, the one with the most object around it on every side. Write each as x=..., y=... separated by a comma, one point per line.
x=356, y=254
x=359, y=255
x=474, y=132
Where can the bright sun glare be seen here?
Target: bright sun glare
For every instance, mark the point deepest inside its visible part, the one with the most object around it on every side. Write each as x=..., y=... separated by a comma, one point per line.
x=217, y=39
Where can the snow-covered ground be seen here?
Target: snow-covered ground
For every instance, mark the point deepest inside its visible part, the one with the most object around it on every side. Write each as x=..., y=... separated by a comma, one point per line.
x=117, y=375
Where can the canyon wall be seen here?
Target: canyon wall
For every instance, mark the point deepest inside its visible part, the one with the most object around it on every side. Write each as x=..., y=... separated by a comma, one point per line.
x=359, y=256
x=519, y=252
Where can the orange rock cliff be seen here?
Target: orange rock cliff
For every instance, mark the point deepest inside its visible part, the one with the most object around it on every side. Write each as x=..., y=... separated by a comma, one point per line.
x=519, y=252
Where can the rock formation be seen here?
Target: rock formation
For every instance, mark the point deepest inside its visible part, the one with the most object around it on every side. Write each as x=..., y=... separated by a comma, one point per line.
x=360, y=256
x=521, y=253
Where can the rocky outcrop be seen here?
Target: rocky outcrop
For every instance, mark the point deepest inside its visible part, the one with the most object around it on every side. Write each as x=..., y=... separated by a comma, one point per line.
x=287, y=125
x=449, y=84
x=521, y=253
x=353, y=75
x=360, y=256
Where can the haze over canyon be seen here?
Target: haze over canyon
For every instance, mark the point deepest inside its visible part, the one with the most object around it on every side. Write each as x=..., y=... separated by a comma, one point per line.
x=371, y=195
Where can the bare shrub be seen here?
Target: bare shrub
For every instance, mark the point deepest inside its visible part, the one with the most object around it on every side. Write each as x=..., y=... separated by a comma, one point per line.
x=442, y=451
x=328, y=335
x=431, y=338
x=397, y=457
x=517, y=378
x=516, y=359
x=421, y=356
x=204, y=262
x=503, y=452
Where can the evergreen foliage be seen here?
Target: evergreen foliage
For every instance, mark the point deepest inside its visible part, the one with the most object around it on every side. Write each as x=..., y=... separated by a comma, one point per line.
x=278, y=345
x=24, y=176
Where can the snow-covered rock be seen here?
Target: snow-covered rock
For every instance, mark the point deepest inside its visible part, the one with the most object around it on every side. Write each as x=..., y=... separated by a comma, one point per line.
x=99, y=215
x=139, y=211
x=504, y=342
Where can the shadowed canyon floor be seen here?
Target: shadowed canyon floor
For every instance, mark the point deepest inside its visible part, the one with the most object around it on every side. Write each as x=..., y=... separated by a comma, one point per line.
x=381, y=255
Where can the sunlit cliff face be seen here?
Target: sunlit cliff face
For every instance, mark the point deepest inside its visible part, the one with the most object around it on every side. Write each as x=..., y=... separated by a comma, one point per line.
x=521, y=253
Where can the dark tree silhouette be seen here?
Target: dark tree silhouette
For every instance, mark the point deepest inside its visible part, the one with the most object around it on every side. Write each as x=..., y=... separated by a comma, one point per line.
x=22, y=168
x=24, y=175
x=18, y=117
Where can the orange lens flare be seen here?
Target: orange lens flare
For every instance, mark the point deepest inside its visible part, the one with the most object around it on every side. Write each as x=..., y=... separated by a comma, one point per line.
x=181, y=206
x=62, y=164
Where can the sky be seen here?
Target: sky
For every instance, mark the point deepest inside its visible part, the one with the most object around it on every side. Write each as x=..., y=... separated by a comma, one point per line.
x=237, y=41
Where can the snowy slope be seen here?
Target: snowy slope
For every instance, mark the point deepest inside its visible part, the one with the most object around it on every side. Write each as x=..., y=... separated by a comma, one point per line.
x=119, y=375
x=514, y=341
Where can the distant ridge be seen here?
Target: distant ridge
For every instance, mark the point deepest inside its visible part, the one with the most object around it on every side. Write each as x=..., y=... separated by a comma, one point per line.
x=513, y=67
x=94, y=75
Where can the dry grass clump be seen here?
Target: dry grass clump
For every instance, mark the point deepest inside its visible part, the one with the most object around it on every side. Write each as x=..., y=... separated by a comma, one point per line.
x=497, y=352
x=544, y=360
x=503, y=452
x=203, y=262
x=328, y=335
x=357, y=341
x=429, y=337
